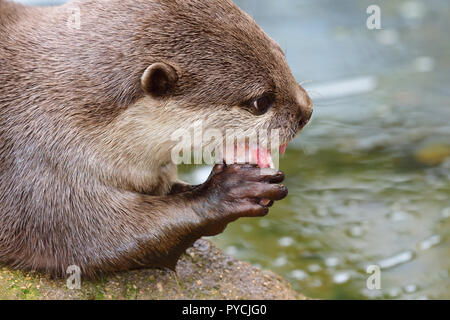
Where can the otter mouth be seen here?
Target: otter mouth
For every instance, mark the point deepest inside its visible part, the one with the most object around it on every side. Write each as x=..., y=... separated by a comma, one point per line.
x=253, y=154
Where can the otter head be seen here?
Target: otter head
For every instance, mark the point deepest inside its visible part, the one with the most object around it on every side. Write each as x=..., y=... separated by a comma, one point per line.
x=209, y=61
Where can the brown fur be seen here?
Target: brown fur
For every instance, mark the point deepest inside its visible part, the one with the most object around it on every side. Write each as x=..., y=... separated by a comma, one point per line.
x=85, y=170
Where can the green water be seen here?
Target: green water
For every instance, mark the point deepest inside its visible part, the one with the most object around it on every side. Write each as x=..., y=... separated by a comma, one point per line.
x=369, y=178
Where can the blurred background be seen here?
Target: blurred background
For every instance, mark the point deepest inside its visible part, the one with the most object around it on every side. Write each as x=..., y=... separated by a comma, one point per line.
x=369, y=178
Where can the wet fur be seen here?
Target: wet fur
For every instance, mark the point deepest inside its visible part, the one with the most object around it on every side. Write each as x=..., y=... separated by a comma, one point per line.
x=85, y=170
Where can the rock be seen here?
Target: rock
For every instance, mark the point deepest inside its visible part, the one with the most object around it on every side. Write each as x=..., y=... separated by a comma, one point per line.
x=433, y=154
x=204, y=272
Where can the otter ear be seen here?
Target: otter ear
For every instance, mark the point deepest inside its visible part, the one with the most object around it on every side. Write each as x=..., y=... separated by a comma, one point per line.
x=159, y=79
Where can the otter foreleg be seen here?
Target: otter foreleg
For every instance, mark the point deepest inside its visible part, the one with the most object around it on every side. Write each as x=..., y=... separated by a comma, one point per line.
x=174, y=222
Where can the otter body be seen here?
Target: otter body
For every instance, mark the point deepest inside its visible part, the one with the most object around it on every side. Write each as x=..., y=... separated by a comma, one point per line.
x=86, y=114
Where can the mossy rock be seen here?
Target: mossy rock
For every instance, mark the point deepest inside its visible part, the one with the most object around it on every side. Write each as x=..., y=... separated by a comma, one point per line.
x=204, y=272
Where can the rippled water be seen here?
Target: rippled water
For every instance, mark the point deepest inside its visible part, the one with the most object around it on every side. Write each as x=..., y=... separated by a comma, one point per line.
x=369, y=178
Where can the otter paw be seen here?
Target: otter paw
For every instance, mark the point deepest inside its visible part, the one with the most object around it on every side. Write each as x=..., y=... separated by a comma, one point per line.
x=235, y=191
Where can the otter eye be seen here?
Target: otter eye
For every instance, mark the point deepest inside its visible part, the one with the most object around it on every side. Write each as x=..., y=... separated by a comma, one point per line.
x=261, y=105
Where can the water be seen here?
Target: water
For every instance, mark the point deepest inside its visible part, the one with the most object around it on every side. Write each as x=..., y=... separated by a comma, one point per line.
x=369, y=178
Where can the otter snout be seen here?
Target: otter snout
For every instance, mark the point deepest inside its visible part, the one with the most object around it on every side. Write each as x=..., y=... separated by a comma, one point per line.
x=305, y=107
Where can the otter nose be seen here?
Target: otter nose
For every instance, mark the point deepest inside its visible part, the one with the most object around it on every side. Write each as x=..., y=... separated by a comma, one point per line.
x=305, y=110
x=305, y=115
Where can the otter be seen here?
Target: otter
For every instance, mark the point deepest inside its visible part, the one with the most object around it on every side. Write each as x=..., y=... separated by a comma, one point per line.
x=86, y=115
